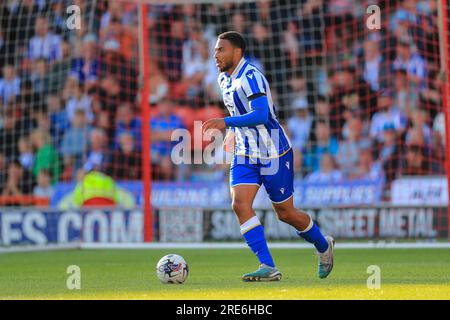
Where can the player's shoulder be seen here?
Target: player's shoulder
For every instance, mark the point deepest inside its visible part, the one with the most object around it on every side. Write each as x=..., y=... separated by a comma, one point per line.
x=251, y=71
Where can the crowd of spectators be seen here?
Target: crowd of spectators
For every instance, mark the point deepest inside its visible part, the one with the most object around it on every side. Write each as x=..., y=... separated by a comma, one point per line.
x=356, y=103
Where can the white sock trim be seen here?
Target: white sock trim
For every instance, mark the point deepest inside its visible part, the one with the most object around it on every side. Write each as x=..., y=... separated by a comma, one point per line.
x=310, y=225
x=250, y=224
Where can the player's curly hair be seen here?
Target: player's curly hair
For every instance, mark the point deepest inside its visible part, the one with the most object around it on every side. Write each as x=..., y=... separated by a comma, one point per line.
x=235, y=38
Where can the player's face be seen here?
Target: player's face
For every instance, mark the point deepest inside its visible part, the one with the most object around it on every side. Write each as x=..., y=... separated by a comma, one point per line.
x=225, y=55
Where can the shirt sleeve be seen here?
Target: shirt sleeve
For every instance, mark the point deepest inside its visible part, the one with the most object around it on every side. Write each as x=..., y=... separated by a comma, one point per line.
x=253, y=83
x=258, y=115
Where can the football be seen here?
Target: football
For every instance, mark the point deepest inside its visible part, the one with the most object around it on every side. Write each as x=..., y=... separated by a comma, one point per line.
x=172, y=268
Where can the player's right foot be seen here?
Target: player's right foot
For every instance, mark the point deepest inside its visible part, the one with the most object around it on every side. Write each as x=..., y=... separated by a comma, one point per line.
x=264, y=273
x=326, y=259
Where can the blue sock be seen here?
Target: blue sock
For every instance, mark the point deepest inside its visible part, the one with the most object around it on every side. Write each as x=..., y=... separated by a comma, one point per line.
x=256, y=240
x=314, y=236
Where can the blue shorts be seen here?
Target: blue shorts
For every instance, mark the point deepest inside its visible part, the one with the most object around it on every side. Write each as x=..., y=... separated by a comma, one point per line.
x=276, y=174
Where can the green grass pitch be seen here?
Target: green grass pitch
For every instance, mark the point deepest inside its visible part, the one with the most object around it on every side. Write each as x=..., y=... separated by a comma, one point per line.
x=215, y=274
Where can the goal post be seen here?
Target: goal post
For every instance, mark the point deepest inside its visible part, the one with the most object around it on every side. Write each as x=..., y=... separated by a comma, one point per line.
x=146, y=167
x=444, y=25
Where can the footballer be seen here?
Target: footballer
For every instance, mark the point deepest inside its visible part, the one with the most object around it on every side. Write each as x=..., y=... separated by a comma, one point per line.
x=260, y=143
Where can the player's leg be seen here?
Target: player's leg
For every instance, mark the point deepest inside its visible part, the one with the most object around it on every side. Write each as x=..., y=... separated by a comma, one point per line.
x=251, y=228
x=242, y=197
x=302, y=222
x=280, y=187
x=253, y=233
x=309, y=231
x=244, y=184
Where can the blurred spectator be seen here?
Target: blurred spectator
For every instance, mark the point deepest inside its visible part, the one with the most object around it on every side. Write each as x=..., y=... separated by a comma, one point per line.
x=300, y=124
x=47, y=157
x=59, y=120
x=324, y=143
x=18, y=182
x=414, y=161
x=259, y=46
x=86, y=67
x=430, y=97
x=124, y=13
x=3, y=172
x=9, y=84
x=127, y=122
x=412, y=62
x=162, y=126
x=79, y=101
x=59, y=70
x=115, y=11
x=349, y=92
x=298, y=93
x=439, y=127
x=322, y=108
x=387, y=113
x=40, y=77
x=420, y=121
x=239, y=23
x=3, y=49
x=327, y=172
x=26, y=156
x=366, y=168
x=407, y=12
x=405, y=99
x=9, y=134
x=123, y=35
x=196, y=62
x=172, y=48
x=97, y=154
x=44, y=44
x=291, y=44
x=44, y=188
x=310, y=14
x=372, y=62
x=358, y=124
x=57, y=15
x=125, y=163
x=105, y=121
x=389, y=151
x=355, y=140
x=159, y=86
x=75, y=141
x=109, y=93
x=114, y=65
x=70, y=88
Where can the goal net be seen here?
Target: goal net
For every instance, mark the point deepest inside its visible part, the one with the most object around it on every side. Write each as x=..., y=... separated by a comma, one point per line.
x=95, y=95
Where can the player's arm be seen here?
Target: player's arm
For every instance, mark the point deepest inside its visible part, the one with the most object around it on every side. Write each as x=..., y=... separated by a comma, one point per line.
x=254, y=89
x=258, y=115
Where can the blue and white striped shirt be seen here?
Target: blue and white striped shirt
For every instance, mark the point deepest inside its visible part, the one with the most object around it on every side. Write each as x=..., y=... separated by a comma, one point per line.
x=262, y=141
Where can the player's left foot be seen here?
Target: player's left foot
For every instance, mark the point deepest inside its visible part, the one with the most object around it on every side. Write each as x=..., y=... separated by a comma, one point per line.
x=326, y=259
x=264, y=273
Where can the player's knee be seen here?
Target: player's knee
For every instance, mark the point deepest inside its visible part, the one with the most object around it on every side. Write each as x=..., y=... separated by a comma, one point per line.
x=284, y=214
x=240, y=206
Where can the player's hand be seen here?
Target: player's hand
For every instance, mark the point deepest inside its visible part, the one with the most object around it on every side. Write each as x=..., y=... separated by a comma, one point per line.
x=228, y=142
x=215, y=123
